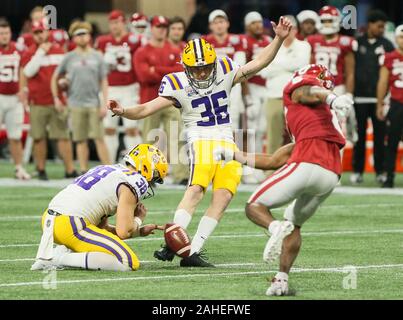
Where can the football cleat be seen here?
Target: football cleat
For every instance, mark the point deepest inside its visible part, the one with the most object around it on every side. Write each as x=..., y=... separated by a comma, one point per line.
x=196, y=260
x=164, y=254
x=273, y=247
x=356, y=178
x=21, y=174
x=278, y=287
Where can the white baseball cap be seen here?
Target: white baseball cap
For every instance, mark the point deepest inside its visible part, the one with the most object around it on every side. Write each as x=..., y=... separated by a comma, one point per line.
x=251, y=17
x=399, y=31
x=306, y=15
x=216, y=13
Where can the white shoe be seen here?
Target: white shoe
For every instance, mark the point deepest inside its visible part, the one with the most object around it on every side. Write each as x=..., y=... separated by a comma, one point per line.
x=21, y=174
x=278, y=287
x=273, y=247
x=356, y=178
x=58, y=252
x=40, y=264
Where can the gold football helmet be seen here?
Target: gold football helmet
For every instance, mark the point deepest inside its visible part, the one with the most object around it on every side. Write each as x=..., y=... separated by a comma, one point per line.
x=149, y=161
x=199, y=60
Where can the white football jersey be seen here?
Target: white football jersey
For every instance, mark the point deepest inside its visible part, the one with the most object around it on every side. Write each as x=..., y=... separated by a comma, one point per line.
x=205, y=112
x=94, y=195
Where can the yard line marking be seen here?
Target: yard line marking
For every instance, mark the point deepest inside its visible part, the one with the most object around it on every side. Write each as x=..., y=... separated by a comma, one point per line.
x=231, y=210
x=201, y=275
x=239, y=236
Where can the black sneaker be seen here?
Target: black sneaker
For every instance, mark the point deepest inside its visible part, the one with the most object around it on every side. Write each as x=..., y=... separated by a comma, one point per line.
x=164, y=254
x=196, y=260
x=388, y=184
x=73, y=174
x=42, y=175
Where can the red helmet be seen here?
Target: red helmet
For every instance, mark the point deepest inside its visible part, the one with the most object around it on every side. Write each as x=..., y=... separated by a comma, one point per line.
x=319, y=72
x=329, y=13
x=139, y=20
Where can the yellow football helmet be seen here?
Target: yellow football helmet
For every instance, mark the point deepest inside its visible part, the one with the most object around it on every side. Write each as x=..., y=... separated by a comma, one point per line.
x=149, y=161
x=199, y=60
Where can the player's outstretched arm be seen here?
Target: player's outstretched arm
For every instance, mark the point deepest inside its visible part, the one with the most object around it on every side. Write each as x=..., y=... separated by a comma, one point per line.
x=140, y=111
x=265, y=161
x=126, y=225
x=267, y=55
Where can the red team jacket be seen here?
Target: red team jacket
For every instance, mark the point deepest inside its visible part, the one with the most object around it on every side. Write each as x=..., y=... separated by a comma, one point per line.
x=316, y=132
x=394, y=62
x=152, y=64
x=9, y=69
x=39, y=85
x=123, y=74
x=332, y=54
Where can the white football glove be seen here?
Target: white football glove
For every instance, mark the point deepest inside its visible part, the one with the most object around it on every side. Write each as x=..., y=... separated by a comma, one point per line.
x=343, y=105
x=223, y=154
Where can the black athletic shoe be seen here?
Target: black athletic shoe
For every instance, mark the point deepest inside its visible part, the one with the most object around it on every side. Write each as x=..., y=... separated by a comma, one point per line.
x=164, y=254
x=196, y=260
x=73, y=174
x=388, y=184
x=42, y=175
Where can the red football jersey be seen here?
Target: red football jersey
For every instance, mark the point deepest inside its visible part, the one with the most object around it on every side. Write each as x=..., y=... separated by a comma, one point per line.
x=58, y=36
x=9, y=69
x=315, y=129
x=124, y=49
x=233, y=43
x=39, y=84
x=253, y=47
x=152, y=64
x=332, y=53
x=394, y=62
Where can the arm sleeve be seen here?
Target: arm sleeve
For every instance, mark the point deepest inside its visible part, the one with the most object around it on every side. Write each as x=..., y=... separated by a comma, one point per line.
x=33, y=66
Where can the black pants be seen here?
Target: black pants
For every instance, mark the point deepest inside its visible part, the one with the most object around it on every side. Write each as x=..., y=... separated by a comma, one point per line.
x=363, y=112
x=394, y=130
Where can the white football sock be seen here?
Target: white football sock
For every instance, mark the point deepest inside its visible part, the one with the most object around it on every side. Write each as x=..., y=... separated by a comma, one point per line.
x=131, y=142
x=204, y=230
x=182, y=218
x=112, y=144
x=273, y=225
x=91, y=261
x=282, y=276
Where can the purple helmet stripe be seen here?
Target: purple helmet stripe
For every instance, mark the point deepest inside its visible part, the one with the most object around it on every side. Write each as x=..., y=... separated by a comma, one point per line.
x=100, y=244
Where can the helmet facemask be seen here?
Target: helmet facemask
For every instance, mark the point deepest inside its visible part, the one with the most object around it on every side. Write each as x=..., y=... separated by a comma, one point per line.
x=198, y=81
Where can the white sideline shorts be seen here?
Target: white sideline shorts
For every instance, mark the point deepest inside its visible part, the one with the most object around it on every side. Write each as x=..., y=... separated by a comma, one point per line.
x=126, y=96
x=307, y=185
x=12, y=115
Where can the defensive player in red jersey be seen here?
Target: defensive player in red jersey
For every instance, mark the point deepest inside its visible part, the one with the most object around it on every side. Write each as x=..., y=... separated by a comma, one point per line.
x=391, y=77
x=11, y=110
x=311, y=173
x=38, y=64
x=118, y=48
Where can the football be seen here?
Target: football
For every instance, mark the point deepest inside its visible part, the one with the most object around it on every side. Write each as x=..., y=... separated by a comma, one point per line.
x=177, y=239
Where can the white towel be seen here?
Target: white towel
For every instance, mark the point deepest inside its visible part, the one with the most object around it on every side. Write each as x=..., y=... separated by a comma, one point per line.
x=45, y=250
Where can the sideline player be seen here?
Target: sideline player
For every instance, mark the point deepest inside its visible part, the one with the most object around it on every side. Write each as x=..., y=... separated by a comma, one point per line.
x=391, y=76
x=202, y=93
x=11, y=109
x=311, y=173
x=118, y=48
x=77, y=217
x=336, y=52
